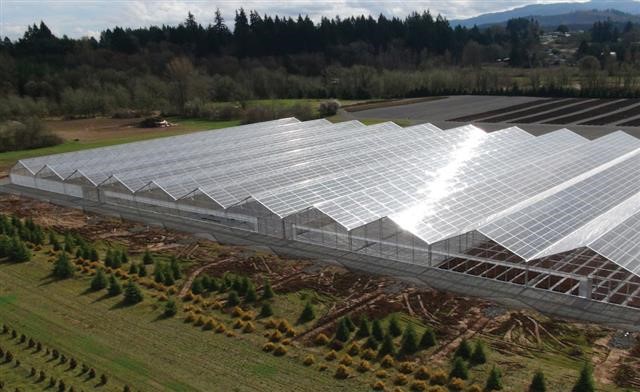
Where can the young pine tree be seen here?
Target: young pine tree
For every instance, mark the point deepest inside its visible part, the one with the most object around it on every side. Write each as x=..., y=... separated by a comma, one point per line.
x=170, y=308
x=133, y=269
x=267, y=291
x=409, y=341
x=478, y=356
x=132, y=294
x=147, y=258
x=464, y=350
x=307, y=314
x=168, y=279
x=342, y=332
x=428, y=339
x=142, y=270
x=494, y=381
x=99, y=281
x=175, y=268
x=266, y=310
x=197, y=287
x=114, y=286
x=394, y=326
x=538, y=384
x=62, y=268
x=459, y=369
x=377, y=331
x=19, y=252
x=585, y=382
x=251, y=295
x=387, y=347
x=233, y=299
x=364, y=329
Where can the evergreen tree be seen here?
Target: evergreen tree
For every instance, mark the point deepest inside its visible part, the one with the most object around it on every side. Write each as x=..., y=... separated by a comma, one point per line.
x=538, y=384
x=108, y=258
x=142, y=270
x=168, y=279
x=116, y=261
x=158, y=273
x=478, y=357
x=19, y=252
x=394, y=326
x=233, y=299
x=147, y=258
x=409, y=341
x=377, y=331
x=428, y=339
x=62, y=268
x=124, y=257
x=251, y=295
x=132, y=294
x=94, y=255
x=99, y=281
x=175, y=268
x=387, y=347
x=133, y=269
x=585, y=382
x=459, y=369
x=307, y=314
x=464, y=350
x=350, y=324
x=494, y=381
x=364, y=329
x=372, y=343
x=114, y=286
x=267, y=291
x=342, y=332
x=266, y=310
x=196, y=286
x=170, y=308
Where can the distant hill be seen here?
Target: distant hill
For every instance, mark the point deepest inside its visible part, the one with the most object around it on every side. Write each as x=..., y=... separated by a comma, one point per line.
x=574, y=14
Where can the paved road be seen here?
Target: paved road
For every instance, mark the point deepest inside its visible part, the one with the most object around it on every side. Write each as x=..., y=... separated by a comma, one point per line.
x=439, y=113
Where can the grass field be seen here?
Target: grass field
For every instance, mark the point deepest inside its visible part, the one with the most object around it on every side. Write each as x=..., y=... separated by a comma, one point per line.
x=133, y=345
x=88, y=136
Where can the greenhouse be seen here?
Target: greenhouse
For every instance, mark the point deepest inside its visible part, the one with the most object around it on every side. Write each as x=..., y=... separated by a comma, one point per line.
x=556, y=212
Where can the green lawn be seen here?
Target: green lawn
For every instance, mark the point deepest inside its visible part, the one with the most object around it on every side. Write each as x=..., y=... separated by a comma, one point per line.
x=132, y=344
x=8, y=159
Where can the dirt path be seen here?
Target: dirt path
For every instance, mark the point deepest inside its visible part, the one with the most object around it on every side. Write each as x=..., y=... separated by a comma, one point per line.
x=603, y=372
x=187, y=284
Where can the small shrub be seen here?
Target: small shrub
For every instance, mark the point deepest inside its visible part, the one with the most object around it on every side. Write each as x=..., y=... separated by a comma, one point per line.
x=418, y=386
x=199, y=321
x=190, y=317
x=221, y=328
x=284, y=326
x=406, y=367
x=323, y=367
x=423, y=373
x=280, y=351
x=331, y=355
x=400, y=379
x=268, y=347
x=276, y=336
x=382, y=374
x=321, y=339
x=209, y=325
x=456, y=384
x=249, y=327
x=346, y=360
x=387, y=361
x=368, y=354
x=238, y=324
x=439, y=377
x=237, y=311
x=342, y=372
x=309, y=360
x=364, y=366
x=378, y=386
x=353, y=349
x=474, y=388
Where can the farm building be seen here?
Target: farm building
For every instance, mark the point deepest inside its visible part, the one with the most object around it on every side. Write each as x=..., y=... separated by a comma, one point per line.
x=556, y=213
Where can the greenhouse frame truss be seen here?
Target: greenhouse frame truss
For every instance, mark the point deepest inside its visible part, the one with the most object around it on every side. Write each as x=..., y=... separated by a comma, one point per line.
x=555, y=212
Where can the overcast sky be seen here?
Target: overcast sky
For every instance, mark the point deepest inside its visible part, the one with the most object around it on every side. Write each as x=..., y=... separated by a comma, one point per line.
x=77, y=18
